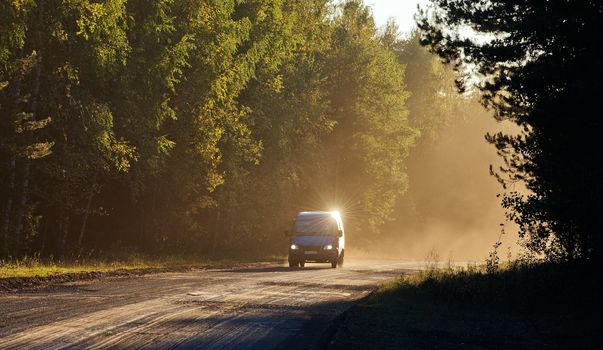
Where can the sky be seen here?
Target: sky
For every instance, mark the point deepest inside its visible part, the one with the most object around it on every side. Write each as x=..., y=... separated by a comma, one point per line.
x=401, y=10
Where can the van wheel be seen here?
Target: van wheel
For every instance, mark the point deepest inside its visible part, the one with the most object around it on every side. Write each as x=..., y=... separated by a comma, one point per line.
x=334, y=264
x=340, y=260
x=302, y=263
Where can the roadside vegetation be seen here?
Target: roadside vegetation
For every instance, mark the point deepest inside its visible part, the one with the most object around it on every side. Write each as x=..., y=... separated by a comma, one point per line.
x=519, y=306
x=34, y=267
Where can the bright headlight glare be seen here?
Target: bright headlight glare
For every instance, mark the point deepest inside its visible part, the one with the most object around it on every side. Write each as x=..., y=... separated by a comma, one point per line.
x=294, y=247
x=328, y=247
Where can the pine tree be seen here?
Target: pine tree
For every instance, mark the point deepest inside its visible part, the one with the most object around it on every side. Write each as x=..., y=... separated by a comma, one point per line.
x=534, y=62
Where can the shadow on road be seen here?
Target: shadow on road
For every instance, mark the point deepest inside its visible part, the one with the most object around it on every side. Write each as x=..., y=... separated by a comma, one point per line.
x=254, y=326
x=278, y=269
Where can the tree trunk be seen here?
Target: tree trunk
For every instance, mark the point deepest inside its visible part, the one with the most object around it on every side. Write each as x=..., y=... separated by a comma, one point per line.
x=9, y=205
x=154, y=223
x=84, y=221
x=22, y=204
x=231, y=228
x=64, y=234
x=44, y=235
x=141, y=229
x=27, y=160
x=11, y=180
x=216, y=230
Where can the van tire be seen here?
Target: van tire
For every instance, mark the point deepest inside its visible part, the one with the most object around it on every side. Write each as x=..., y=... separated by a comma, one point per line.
x=334, y=264
x=302, y=263
x=340, y=260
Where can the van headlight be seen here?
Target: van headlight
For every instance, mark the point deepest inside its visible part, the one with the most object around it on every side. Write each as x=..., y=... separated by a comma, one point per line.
x=294, y=247
x=328, y=247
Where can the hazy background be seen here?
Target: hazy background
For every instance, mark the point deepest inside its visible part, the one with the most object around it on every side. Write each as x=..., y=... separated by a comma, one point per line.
x=402, y=11
x=451, y=205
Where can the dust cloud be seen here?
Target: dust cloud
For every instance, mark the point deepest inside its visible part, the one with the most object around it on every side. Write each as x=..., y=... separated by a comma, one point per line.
x=452, y=207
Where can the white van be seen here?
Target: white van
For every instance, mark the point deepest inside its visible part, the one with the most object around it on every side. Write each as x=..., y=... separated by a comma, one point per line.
x=317, y=236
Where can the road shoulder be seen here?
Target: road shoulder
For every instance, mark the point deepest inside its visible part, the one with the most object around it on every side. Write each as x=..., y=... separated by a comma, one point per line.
x=519, y=308
x=31, y=283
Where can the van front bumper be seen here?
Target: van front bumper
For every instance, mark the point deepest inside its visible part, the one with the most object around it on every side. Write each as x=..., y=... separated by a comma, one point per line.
x=312, y=254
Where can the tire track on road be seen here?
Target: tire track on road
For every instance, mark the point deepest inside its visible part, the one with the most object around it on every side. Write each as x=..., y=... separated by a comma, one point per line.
x=211, y=309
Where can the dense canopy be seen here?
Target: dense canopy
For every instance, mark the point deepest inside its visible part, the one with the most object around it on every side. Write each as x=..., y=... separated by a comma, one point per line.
x=194, y=125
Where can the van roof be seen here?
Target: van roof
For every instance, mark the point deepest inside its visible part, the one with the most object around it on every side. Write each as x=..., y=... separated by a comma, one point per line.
x=310, y=214
x=320, y=214
x=314, y=213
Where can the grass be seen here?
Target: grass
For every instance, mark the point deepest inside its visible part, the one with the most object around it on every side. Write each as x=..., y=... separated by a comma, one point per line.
x=539, y=306
x=34, y=266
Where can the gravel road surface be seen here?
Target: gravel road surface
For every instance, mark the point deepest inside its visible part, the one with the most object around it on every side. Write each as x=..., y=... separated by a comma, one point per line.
x=266, y=306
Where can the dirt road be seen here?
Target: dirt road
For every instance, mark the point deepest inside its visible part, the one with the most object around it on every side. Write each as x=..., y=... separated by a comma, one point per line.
x=263, y=307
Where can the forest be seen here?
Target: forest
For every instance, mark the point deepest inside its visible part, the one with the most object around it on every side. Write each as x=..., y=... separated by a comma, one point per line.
x=203, y=126
x=200, y=126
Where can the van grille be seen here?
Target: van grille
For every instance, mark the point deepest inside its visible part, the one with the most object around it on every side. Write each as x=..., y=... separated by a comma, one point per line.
x=311, y=247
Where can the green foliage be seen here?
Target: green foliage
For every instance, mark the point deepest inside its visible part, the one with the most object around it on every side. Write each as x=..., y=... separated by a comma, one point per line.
x=372, y=138
x=434, y=103
x=196, y=125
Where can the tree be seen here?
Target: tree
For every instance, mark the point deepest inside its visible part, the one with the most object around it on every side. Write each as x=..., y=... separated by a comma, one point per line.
x=534, y=63
x=435, y=108
x=182, y=125
x=434, y=102
x=20, y=124
x=363, y=167
x=288, y=111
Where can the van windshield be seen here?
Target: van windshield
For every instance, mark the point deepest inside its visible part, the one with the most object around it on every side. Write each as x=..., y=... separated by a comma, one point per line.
x=317, y=226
